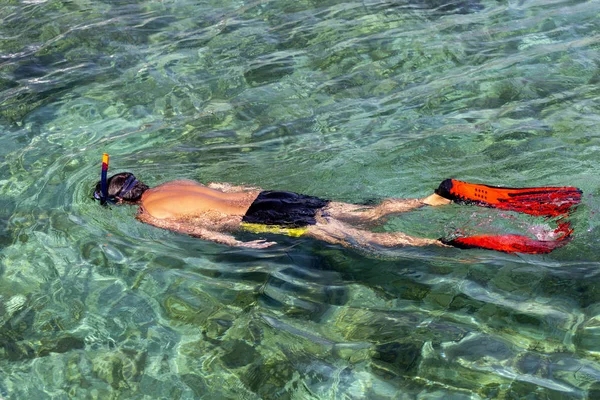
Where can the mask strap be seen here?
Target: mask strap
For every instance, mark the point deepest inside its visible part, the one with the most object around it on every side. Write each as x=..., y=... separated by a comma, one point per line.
x=127, y=186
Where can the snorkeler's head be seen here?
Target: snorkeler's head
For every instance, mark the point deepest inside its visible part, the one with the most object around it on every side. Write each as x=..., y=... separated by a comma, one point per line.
x=122, y=187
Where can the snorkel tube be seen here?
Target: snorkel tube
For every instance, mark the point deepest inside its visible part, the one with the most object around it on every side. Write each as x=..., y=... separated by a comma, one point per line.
x=104, y=180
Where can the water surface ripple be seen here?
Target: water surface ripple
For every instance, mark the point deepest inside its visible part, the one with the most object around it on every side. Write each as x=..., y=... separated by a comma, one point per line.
x=352, y=101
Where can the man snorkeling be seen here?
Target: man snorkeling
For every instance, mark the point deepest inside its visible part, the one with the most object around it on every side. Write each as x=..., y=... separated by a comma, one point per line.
x=215, y=211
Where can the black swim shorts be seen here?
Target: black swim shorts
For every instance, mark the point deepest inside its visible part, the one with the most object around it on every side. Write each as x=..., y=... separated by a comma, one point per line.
x=286, y=209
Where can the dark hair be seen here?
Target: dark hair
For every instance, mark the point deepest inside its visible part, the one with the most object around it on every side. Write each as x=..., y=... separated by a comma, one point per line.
x=123, y=186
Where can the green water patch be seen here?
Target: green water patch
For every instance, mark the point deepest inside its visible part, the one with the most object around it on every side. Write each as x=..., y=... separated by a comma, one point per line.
x=349, y=101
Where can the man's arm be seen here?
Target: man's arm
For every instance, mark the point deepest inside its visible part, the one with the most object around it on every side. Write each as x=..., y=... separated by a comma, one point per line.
x=222, y=238
x=228, y=188
x=202, y=233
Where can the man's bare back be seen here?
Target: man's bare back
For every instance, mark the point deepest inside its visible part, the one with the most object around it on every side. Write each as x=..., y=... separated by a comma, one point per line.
x=183, y=199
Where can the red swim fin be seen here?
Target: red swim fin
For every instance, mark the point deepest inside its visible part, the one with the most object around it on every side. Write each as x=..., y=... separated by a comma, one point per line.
x=508, y=243
x=546, y=201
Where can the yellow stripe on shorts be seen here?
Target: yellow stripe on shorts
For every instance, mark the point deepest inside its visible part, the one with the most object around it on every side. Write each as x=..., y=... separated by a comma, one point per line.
x=282, y=230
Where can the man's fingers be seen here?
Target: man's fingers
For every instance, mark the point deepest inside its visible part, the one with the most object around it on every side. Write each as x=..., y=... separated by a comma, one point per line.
x=259, y=244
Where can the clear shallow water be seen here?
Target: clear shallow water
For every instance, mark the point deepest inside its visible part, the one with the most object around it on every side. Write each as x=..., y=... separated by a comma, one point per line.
x=345, y=100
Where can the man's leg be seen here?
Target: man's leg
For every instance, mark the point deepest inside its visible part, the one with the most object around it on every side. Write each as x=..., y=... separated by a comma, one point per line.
x=337, y=232
x=364, y=213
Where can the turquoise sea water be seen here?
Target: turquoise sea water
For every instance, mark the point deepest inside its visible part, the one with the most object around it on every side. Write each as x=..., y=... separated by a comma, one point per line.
x=345, y=100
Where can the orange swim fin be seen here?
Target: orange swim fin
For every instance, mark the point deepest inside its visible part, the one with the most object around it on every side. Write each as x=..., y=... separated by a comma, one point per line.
x=514, y=243
x=508, y=243
x=546, y=201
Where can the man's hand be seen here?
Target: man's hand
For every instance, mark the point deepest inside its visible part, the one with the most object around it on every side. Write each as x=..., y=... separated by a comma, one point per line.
x=256, y=244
